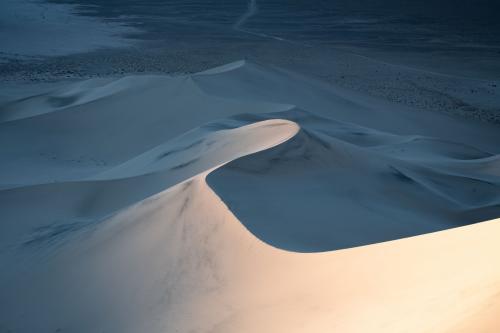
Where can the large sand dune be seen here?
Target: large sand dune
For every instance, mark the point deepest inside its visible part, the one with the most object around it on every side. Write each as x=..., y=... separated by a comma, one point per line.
x=181, y=204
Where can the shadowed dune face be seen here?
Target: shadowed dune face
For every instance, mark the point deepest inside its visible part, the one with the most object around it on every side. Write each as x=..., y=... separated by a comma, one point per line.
x=353, y=186
x=139, y=242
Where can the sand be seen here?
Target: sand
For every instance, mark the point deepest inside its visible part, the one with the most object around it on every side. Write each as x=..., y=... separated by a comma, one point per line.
x=245, y=198
x=32, y=30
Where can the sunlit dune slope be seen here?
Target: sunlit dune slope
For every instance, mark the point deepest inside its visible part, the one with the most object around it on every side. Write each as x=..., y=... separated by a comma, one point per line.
x=180, y=261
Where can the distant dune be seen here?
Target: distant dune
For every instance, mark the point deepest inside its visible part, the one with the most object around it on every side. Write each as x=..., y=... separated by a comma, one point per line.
x=245, y=198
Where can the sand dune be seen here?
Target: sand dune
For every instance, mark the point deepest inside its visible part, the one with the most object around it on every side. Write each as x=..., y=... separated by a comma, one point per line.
x=182, y=204
x=180, y=261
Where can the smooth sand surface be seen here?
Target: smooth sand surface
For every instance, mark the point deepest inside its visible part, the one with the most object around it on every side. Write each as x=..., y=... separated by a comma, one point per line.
x=231, y=200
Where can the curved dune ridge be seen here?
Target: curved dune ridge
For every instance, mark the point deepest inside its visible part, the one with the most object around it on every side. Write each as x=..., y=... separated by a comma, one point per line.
x=166, y=204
